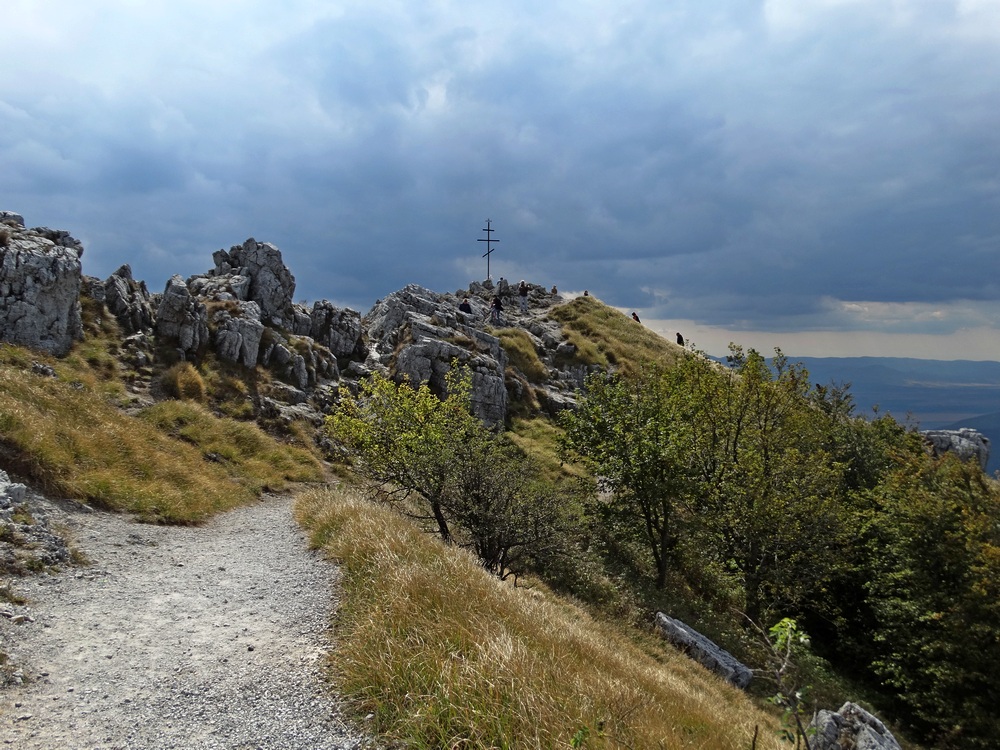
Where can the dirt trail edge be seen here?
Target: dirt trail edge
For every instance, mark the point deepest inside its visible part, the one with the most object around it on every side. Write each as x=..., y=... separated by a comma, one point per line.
x=207, y=637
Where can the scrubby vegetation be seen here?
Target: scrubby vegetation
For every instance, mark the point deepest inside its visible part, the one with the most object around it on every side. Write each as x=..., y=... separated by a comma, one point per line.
x=739, y=497
x=767, y=495
x=477, y=487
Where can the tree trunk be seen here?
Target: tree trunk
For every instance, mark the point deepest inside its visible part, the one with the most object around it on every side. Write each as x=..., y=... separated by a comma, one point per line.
x=667, y=544
x=751, y=593
x=442, y=522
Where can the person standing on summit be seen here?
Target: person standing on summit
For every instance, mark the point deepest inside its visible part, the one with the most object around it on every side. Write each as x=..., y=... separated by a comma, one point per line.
x=496, y=310
x=522, y=296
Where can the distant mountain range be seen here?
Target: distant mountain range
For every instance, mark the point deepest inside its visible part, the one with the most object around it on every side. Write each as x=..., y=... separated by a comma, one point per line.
x=927, y=393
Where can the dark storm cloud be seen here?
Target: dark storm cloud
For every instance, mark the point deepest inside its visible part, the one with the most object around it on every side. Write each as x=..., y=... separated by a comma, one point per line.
x=749, y=166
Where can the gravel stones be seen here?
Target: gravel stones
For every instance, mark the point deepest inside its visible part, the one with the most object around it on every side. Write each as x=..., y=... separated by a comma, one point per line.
x=194, y=637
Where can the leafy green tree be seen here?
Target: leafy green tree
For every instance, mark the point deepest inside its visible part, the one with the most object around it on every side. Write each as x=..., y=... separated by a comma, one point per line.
x=635, y=435
x=845, y=523
x=913, y=593
x=732, y=458
x=480, y=490
x=839, y=613
x=934, y=586
x=514, y=519
x=769, y=487
x=405, y=440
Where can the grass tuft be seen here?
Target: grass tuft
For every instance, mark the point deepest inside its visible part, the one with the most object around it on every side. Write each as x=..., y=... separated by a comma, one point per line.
x=183, y=381
x=521, y=352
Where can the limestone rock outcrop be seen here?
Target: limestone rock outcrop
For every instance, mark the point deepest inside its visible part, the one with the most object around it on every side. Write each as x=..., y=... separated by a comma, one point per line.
x=256, y=290
x=61, y=238
x=40, y=283
x=302, y=362
x=968, y=444
x=242, y=310
x=850, y=728
x=183, y=317
x=129, y=301
x=338, y=329
x=704, y=651
x=255, y=272
x=238, y=333
x=417, y=334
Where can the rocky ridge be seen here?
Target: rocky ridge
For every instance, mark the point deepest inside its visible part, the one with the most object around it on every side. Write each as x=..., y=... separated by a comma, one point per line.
x=966, y=443
x=241, y=310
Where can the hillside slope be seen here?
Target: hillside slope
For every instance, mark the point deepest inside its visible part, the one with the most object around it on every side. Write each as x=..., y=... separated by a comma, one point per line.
x=216, y=390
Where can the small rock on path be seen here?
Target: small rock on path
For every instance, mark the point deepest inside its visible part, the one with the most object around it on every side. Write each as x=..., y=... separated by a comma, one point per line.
x=177, y=637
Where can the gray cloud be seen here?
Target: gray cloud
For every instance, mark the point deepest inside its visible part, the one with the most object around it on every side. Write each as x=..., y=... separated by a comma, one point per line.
x=735, y=165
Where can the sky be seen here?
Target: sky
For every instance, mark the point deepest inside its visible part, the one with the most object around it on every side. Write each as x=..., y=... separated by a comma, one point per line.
x=818, y=175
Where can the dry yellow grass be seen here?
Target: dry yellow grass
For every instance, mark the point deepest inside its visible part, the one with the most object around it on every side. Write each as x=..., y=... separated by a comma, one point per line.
x=446, y=656
x=177, y=463
x=183, y=381
x=605, y=336
x=521, y=352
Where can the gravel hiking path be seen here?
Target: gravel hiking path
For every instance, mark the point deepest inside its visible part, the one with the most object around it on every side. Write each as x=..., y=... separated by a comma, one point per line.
x=177, y=637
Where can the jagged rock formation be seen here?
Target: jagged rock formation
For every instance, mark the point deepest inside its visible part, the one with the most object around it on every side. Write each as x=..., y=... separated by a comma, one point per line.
x=968, y=444
x=850, y=728
x=128, y=300
x=417, y=334
x=39, y=286
x=253, y=271
x=242, y=311
x=238, y=333
x=303, y=362
x=704, y=651
x=558, y=389
x=339, y=330
x=183, y=317
x=253, y=276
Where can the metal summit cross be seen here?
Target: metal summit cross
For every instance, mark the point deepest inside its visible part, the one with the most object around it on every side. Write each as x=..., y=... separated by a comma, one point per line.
x=489, y=250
